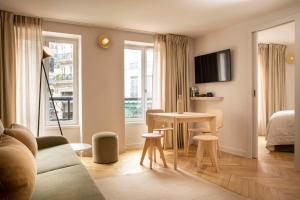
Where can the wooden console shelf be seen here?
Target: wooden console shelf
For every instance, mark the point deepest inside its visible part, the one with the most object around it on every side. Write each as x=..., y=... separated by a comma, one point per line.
x=207, y=98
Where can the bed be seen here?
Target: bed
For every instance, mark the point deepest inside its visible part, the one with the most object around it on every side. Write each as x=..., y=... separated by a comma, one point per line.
x=281, y=129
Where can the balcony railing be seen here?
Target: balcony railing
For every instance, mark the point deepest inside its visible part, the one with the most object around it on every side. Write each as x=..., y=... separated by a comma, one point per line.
x=134, y=107
x=64, y=107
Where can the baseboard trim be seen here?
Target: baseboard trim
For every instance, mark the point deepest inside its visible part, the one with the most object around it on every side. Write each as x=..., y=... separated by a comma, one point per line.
x=235, y=151
x=226, y=149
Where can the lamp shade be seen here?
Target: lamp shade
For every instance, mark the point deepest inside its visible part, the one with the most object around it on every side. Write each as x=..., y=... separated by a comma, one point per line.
x=47, y=52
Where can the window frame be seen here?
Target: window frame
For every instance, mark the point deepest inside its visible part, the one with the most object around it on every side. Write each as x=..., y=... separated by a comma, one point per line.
x=143, y=49
x=75, y=42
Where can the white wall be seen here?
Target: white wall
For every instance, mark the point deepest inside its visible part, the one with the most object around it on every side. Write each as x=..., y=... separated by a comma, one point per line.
x=237, y=134
x=290, y=80
x=102, y=79
x=71, y=133
x=297, y=94
x=133, y=132
x=237, y=93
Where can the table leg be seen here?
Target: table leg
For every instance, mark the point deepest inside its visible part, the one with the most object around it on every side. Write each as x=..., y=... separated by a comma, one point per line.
x=185, y=138
x=150, y=130
x=175, y=143
x=151, y=151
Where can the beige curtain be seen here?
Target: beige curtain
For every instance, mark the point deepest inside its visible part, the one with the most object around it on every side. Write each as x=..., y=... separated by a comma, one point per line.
x=276, y=79
x=28, y=37
x=271, y=92
x=174, y=59
x=7, y=69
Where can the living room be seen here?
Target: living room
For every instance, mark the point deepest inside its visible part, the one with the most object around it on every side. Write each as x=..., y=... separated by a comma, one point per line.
x=100, y=34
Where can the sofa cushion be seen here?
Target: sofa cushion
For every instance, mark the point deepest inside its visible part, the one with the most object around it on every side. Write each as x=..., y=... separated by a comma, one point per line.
x=70, y=183
x=55, y=158
x=50, y=141
x=17, y=169
x=24, y=135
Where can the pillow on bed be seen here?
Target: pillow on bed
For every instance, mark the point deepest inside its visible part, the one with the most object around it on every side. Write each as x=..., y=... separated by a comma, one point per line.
x=24, y=135
x=1, y=127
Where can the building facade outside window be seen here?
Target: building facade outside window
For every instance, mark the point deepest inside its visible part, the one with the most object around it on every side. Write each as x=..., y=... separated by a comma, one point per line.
x=138, y=72
x=62, y=70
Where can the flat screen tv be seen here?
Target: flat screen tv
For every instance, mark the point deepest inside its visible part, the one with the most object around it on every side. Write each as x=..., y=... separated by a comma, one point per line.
x=213, y=67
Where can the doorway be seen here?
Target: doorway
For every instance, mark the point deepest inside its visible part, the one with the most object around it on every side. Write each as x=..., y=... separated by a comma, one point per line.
x=274, y=83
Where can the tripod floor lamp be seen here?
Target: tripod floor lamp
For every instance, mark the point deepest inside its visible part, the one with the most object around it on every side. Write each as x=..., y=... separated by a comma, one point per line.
x=47, y=53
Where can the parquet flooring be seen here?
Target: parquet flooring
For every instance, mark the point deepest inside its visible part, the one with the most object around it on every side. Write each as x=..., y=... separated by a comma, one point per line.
x=270, y=177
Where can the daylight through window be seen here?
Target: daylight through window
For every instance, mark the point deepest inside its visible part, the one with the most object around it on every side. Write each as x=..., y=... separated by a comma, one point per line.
x=62, y=71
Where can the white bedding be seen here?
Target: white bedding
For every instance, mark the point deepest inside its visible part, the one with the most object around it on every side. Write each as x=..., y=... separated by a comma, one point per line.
x=281, y=129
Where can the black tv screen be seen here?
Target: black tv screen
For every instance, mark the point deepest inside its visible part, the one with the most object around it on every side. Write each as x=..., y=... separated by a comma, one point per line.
x=213, y=67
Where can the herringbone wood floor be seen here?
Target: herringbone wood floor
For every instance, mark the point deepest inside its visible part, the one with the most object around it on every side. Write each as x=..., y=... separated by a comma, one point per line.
x=270, y=177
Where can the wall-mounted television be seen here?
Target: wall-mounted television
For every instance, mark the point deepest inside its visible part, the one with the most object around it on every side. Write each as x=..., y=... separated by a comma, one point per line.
x=213, y=67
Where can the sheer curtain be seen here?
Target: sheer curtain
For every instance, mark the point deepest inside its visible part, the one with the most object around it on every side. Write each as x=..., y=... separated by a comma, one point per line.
x=159, y=66
x=172, y=57
x=28, y=43
x=271, y=92
x=262, y=91
x=7, y=69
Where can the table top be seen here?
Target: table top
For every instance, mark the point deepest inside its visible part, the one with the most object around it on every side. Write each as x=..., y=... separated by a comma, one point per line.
x=183, y=115
x=80, y=146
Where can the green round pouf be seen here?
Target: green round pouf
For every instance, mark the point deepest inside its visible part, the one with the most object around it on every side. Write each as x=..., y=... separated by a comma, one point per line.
x=105, y=147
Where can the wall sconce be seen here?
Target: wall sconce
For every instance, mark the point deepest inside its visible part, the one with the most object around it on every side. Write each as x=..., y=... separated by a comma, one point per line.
x=290, y=58
x=104, y=41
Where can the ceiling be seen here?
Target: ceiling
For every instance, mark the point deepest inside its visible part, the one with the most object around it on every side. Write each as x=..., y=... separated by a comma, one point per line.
x=188, y=17
x=283, y=34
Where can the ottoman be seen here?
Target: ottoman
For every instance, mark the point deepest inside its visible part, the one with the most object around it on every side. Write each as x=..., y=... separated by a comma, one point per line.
x=105, y=147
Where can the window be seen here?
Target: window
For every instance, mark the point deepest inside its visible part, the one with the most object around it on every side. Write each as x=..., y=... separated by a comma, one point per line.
x=138, y=67
x=62, y=70
x=134, y=86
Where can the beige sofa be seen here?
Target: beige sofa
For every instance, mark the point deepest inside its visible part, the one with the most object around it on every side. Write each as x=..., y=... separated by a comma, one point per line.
x=58, y=172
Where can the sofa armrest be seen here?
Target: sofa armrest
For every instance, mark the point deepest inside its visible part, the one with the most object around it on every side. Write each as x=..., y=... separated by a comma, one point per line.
x=50, y=141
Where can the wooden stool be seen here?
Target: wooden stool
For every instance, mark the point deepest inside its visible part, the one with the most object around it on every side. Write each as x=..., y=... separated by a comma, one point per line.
x=207, y=144
x=152, y=141
x=163, y=131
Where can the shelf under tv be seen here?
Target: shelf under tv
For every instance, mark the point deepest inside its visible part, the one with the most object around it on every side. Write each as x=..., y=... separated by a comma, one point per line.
x=207, y=98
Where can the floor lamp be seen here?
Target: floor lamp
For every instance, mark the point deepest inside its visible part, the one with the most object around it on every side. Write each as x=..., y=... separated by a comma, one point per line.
x=47, y=53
